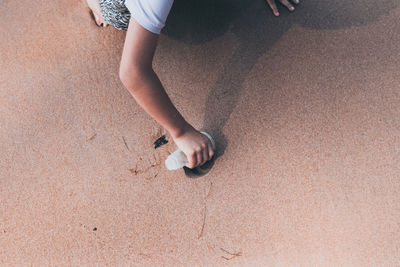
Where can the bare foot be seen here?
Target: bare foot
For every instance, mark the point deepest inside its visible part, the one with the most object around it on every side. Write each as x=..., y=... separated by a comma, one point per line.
x=94, y=6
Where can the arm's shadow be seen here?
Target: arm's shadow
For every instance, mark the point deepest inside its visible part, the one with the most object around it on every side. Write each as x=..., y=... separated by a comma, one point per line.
x=252, y=22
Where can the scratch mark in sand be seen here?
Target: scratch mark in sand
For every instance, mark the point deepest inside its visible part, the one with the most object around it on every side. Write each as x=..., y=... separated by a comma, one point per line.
x=136, y=171
x=92, y=137
x=204, y=221
x=145, y=255
x=205, y=211
x=125, y=143
x=209, y=189
x=230, y=253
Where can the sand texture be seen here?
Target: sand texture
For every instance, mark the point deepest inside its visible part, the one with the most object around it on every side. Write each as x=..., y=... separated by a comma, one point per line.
x=304, y=108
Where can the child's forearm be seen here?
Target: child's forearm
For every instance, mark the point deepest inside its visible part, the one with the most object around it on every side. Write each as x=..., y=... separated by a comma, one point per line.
x=151, y=96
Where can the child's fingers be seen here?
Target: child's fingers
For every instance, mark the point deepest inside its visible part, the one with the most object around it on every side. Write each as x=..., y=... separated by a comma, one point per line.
x=210, y=151
x=287, y=4
x=192, y=158
x=273, y=6
x=205, y=155
x=199, y=158
x=296, y=1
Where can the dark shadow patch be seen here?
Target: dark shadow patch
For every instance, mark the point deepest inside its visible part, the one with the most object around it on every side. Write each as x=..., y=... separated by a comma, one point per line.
x=200, y=170
x=257, y=30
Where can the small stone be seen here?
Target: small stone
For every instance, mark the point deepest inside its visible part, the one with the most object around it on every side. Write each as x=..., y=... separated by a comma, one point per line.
x=160, y=141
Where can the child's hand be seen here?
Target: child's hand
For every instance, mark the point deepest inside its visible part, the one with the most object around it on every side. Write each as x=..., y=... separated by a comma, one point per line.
x=196, y=146
x=272, y=4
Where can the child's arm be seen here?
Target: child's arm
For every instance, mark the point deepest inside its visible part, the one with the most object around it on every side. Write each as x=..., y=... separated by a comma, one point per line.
x=137, y=75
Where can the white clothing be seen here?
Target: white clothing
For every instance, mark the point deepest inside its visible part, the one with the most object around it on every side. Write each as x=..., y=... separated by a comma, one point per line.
x=151, y=14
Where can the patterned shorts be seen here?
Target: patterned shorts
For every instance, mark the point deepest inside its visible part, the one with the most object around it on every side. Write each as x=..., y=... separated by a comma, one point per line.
x=115, y=13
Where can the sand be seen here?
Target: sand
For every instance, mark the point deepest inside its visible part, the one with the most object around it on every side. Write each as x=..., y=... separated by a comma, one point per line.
x=304, y=108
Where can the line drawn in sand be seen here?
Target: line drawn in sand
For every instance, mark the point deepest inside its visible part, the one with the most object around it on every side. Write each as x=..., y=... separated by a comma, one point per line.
x=235, y=254
x=205, y=211
x=154, y=164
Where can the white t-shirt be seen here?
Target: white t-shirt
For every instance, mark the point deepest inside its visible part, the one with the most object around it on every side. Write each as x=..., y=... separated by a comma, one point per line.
x=151, y=14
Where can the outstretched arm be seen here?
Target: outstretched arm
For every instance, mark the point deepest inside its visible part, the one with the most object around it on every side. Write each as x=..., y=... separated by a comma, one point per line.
x=138, y=76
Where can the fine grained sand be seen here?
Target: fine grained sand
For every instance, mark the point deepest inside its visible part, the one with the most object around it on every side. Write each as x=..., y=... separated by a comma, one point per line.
x=305, y=109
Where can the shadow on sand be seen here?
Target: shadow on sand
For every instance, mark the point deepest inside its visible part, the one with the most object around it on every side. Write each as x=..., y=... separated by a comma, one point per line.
x=252, y=22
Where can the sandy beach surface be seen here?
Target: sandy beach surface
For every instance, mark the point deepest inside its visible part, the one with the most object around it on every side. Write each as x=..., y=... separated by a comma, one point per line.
x=304, y=108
